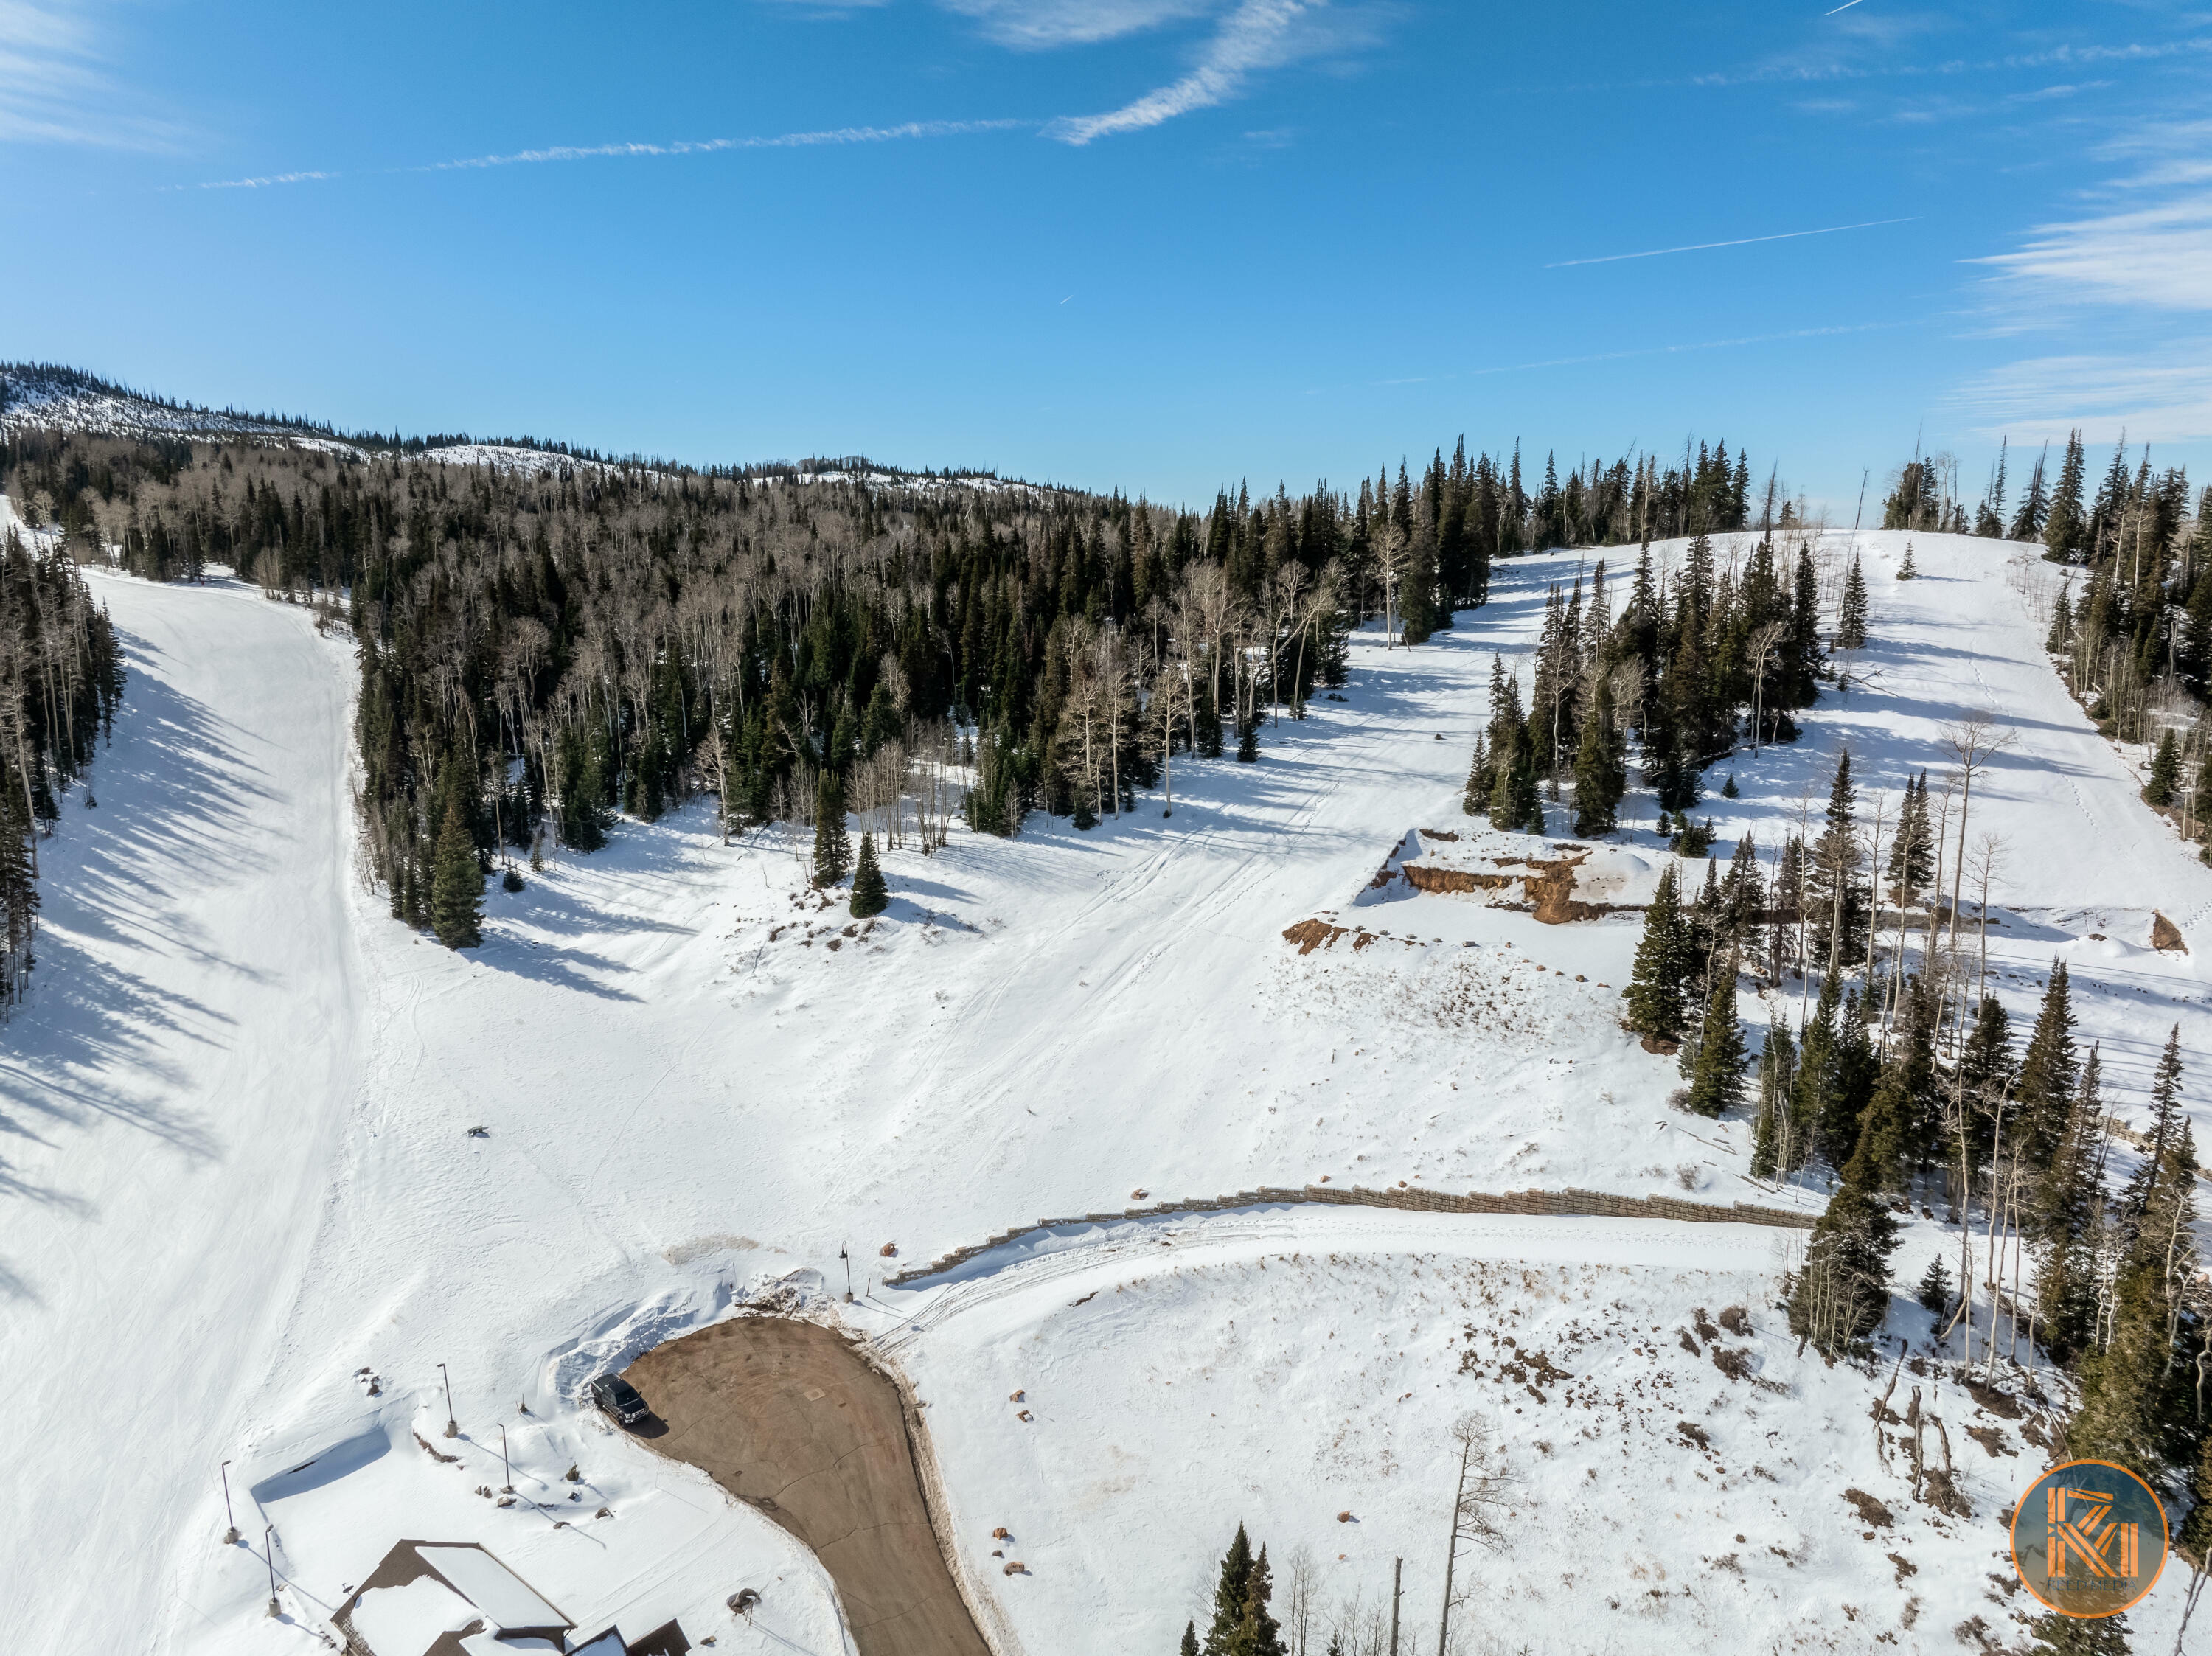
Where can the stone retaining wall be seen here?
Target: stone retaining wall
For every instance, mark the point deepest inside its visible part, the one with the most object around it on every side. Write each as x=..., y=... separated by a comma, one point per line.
x=1561, y=1203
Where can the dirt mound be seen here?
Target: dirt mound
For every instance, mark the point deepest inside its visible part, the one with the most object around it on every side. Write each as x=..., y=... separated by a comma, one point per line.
x=1310, y=934
x=2165, y=934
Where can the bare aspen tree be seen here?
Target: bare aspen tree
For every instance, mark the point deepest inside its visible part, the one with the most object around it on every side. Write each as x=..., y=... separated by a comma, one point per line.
x=1393, y=550
x=1974, y=741
x=1483, y=1490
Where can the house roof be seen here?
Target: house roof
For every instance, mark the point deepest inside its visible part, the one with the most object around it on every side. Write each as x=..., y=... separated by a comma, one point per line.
x=425, y=1595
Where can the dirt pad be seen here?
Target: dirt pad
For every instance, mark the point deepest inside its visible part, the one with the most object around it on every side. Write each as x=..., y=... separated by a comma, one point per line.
x=787, y=1416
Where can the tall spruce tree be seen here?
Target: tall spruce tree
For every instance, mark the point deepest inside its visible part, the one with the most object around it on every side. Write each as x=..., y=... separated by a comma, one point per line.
x=2165, y=772
x=1229, y=1590
x=2065, y=526
x=1838, y=897
x=1654, y=995
x=1601, y=773
x=2136, y=1403
x=870, y=895
x=1898, y=1125
x=1841, y=1295
x=2045, y=1085
x=457, y=882
x=1852, y=616
x=2066, y=1216
x=833, y=846
x=1717, y=1081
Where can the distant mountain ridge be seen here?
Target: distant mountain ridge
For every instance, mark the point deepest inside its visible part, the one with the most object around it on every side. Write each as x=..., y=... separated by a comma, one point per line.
x=51, y=395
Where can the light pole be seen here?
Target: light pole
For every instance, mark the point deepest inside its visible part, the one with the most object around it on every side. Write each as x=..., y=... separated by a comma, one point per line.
x=269, y=1551
x=452, y=1427
x=504, y=1465
x=847, y=1259
x=230, y=1534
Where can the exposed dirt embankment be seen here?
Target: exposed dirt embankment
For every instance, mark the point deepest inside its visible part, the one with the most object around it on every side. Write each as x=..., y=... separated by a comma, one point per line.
x=1549, y=885
x=790, y=1418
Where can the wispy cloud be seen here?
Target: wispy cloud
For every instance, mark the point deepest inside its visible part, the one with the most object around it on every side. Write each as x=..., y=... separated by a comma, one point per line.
x=1741, y=241
x=829, y=136
x=2152, y=250
x=1258, y=34
x=54, y=89
x=2156, y=397
x=2159, y=256
x=1039, y=25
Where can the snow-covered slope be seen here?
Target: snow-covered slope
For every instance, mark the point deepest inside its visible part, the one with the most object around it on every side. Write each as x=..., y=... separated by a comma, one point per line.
x=694, y=1079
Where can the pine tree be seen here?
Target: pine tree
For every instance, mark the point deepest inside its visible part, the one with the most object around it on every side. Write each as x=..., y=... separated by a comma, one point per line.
x=2136, y=1406
x=869, y=895
x=1654, y=994
x=1908, y=570
x=1258, y=1633
x=2167, y=1123
x=1248, y=738
x=2064, y=527
x=2165, y=772
x=1601, y=774
x=833, y=846
x=1481, y=777
x=2043, y=1090
x=457, y=883
x=1717, y=1083
x=1813, y=1100
x=1842, y=1295
x=2060, y=639
x=1229, y=1594
x=2066, y=1216
x=1911, y=864
x=1838, y=898
x=1190, y=1646
x=1899, y=1117
x=1935, y=1291
x=2034, y=507
x=1851, y=619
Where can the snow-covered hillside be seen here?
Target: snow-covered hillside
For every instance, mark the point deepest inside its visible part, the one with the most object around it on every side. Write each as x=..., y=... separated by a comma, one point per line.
x=245, y=1174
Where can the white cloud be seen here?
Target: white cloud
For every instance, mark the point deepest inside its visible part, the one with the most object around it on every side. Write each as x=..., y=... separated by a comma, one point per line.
x=53, y=90
x=1258, y=34
x=2160, y=397
x=1036, y=24
x=2152, y=250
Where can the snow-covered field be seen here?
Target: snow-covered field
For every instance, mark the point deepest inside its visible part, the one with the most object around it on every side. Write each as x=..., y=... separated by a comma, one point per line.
x=240, y=1171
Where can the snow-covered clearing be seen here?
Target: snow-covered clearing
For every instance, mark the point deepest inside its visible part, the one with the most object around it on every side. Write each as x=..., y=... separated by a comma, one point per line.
x=240, y=1169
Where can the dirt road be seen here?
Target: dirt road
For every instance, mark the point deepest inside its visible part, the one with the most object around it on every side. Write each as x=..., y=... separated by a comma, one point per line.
x=787, y=1416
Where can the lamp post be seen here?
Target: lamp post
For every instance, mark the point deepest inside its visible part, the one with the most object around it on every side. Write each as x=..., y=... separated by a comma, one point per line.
x=847, y=1259
x=269, y=1551
x=230, y=1534
x=452, y=1427
x=504, y=1465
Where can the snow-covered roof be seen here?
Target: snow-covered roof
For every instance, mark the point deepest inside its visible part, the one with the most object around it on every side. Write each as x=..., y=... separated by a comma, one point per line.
x=408, y=1619
x=505, y=1598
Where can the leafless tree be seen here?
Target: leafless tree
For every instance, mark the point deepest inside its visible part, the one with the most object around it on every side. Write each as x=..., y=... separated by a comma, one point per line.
x=1485, y=1489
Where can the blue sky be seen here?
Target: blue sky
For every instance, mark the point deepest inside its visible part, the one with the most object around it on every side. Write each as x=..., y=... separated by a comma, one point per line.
x=1146, y=244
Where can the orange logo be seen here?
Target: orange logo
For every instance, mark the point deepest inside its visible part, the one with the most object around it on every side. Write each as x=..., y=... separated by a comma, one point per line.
x=2088, y=1538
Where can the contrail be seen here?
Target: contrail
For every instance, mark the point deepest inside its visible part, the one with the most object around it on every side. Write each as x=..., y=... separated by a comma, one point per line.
x=1741, y=241
x=1846, y=6
x=836, y=136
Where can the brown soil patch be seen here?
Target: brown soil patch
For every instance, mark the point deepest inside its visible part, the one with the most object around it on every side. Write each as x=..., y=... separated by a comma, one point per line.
x=790, y=1418
x=1870, y=1511
x=1310, y=934
x=2165, y=934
